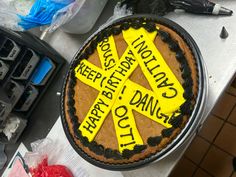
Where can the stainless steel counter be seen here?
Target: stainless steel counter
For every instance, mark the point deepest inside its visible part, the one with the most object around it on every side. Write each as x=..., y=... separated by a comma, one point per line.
x=218, y=54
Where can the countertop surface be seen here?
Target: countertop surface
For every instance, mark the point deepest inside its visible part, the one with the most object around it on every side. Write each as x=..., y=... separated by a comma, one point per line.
x=218, y=54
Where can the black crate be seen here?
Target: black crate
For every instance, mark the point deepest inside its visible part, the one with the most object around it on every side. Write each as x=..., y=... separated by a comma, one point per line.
x=27, y=67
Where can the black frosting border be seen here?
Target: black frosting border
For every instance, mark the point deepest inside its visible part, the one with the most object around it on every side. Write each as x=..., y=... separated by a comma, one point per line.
x=196, y=53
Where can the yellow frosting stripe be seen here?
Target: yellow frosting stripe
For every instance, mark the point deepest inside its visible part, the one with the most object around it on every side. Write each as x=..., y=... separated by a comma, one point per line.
x=90, y=74
x=145, y=102
x=107, y=53
x=162, y=80
x=126, y=131
x=151, y=35
x=106, y=98
x=139, y=98
x=95, y=76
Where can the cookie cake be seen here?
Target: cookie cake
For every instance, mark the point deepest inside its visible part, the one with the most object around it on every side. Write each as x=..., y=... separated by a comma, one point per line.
x=130, y=93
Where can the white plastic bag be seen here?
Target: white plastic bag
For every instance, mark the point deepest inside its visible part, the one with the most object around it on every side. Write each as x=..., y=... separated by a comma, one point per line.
x=40, y=162
x=41, y=149
x=64, y=15
x=119, y=12
x=8, y=16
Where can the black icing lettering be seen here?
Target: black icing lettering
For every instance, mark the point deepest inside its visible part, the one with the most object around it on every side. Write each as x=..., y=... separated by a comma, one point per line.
x=137, y=39
x=158, y=113
x=161, y=75
x=107, y=54
x=109, y=88
x=174, y=93
x=164, y=84
x=141, y=46
x=146, y=102
x=95, y=113
x=160, y=78
x=151, y=106
x=121, y=111
x=110, y=63
x=86, y=70
x=130, y=59
x=143, y=102
x=146, y=54
x=136, y=98
x=146, y=63
x=80, y=68
x=121, y=70
x=103, y=41
x=105, y=47
x=127, y=144
x=166, y=118
x=93, y=120
x=123, y=89
x=130, y=53
x=122, y=120
x=91, y=75
x=89, y=127
x=103, y=79
x=128, y=134
x=113, y=76
x=152, y=59
x=125, y=64
x=112, y=83
x=101, y=102
x=97, y=106
x=109, y=67
x=97, y=76
x=107, y=94
x=155, y=67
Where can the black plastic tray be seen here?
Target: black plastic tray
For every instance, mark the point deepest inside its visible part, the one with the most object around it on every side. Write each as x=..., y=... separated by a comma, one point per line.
x=20, y=70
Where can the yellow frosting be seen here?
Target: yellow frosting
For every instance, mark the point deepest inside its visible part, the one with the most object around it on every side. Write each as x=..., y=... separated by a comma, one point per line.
x=138, y=97
x=107, y=53
x=107, y=96
x=90, y=74
x=126, y=130
x=162, y=80
x=145, y=102
x=120, y=95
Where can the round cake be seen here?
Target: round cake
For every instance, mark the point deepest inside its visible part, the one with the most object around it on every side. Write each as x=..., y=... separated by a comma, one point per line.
x=130, y=93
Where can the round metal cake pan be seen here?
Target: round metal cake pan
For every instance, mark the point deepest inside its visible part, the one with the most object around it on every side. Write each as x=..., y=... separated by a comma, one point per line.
x=193, y=122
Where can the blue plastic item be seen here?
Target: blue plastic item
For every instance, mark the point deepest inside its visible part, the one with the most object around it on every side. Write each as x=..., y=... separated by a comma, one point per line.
x=41, y=72
x=42, y=13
